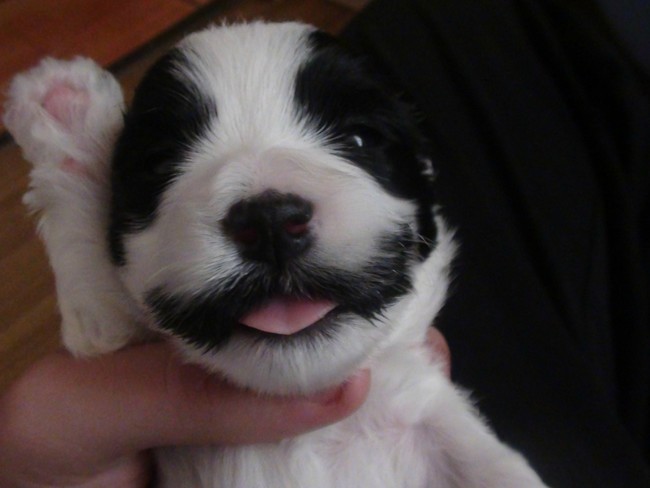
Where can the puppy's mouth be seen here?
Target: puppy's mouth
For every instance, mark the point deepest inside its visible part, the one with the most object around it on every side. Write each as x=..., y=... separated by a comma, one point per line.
x=286, y=316
x=302, y=305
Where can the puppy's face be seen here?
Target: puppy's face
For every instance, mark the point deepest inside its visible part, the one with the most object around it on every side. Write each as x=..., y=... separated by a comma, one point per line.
x=270, y=202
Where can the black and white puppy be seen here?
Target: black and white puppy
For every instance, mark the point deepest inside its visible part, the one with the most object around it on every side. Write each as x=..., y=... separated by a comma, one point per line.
x=269, y=208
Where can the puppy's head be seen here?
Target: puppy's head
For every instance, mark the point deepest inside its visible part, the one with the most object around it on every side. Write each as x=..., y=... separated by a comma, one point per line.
x=271, y=200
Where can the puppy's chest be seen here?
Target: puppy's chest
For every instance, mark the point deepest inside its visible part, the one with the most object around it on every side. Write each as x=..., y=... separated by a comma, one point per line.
x=384, y=444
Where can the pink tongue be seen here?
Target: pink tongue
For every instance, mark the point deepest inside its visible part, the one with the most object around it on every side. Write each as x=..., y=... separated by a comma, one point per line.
x=287, y=315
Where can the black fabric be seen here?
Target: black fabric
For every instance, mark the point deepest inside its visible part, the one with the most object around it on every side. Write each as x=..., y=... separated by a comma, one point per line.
x=631, y=19
x=540, y=130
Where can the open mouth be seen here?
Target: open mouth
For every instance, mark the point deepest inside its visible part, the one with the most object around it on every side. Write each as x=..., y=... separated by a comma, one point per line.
x=286, y=316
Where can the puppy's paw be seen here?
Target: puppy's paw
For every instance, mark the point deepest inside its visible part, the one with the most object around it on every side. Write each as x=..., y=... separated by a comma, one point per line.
x=65, y=114
x=66, y=103
x=97, y=327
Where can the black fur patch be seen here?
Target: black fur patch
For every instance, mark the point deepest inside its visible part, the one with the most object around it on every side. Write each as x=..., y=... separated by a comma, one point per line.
x=344, y=98
x=167, y=115
x=207, y=321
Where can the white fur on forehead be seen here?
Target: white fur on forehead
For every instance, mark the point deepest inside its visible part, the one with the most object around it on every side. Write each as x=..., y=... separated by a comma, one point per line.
x=249, y=71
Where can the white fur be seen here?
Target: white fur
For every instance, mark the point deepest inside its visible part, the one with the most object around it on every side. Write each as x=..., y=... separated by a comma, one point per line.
x=70, y=153
x=415, y=429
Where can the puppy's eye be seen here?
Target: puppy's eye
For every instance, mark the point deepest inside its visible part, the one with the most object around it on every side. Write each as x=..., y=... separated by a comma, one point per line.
x=357, y=140
x=361, y=137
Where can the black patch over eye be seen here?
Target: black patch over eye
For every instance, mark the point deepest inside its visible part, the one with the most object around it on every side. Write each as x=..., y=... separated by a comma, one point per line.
x=368, y=148
x=343, y=97
x=167, y=115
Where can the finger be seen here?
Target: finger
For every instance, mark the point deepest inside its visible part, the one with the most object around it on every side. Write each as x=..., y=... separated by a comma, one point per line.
x=203, y=409
x=441, y=353
x=108, y=407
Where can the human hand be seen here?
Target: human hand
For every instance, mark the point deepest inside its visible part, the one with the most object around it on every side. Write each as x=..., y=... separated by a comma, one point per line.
x=75, y=422
x=91, y=423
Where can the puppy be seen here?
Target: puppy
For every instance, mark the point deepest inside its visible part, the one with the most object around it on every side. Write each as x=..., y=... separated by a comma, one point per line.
x=266, y=204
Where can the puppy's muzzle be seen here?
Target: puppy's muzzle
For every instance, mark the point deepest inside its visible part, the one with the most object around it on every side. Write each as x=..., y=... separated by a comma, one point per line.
x=272, y=227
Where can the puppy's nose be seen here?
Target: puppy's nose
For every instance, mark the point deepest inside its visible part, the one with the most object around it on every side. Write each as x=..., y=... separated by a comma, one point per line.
x=271, y=227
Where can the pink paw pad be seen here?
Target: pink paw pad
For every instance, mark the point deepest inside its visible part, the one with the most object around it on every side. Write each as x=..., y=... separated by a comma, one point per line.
x=74, y=167
x=66, y=103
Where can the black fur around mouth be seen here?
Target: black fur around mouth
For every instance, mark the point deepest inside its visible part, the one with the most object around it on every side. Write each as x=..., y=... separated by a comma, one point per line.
x=209, y=320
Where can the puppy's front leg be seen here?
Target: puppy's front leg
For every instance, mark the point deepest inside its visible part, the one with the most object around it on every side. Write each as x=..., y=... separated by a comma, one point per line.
x=66, y=116
x=469, y=452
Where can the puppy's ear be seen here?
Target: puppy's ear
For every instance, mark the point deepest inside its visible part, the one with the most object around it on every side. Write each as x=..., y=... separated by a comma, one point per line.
x=66, y=116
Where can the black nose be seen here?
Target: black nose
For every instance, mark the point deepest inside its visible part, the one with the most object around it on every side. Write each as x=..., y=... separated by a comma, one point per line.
x=271, y=227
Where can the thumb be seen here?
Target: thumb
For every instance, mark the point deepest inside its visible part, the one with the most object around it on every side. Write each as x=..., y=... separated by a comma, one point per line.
x=190, y=406
x=113, y=406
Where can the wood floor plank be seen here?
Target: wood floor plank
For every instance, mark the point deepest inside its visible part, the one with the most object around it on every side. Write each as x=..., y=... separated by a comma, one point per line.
x=27, y=279
x=13, y=172
x=104, y=31
x=33, y=335
x=14, y=216
x=326, y=15
x=198, y=3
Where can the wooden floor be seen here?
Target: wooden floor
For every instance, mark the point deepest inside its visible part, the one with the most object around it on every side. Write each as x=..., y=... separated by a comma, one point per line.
x=33, y=29
x=28, y=314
